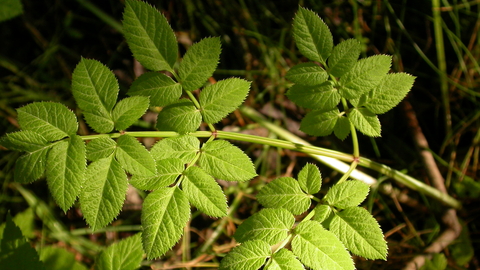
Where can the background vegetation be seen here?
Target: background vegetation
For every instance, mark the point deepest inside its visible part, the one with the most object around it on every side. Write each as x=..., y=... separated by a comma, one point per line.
x=437, y=42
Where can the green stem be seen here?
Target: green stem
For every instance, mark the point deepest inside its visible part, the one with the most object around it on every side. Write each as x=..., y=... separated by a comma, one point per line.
x=102, y=15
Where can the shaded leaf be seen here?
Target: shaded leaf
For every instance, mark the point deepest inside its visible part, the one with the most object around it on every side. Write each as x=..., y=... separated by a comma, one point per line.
x=124, y=255
x=249, y=255
x=342, y=128
x=31, y=166
x=167, y=172
x=128, y=111
x=322, y=212
x=225, y=161
x=164, y=215
x=180, y=116
x=318, y=97
x=56, y=258
x=161, y=89
x=284, y=192
x=320, y=123
x=24, y=140
x=100, y=148
x=307, y=74
x=365, y=121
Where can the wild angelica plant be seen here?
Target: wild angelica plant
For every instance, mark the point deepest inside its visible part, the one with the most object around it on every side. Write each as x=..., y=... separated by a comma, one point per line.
x=296, y=227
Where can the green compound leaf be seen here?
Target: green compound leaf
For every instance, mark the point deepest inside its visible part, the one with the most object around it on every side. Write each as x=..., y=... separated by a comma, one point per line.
x=128, y=110
x=392, y=89
x=199, y=63
x=134, y=157
x=100, y=148
x=124, y=255
x=204, y=192
x=52, y=120
x=320, y=123
x=15, y=251
x=103, y=192
x=249, y=255
x=284, y=192
x=310, y=178
x=95, y=90
x=342, y=128
x=161, y=89
x=271, y=225
x=360, y=233
x=322, y=212
x=31, y=166
x=284, y=260
x=24, y=140
x=364, y=76
x=184, y=147
x=220, y=99
x=318, y=97
x=180, y=116
x=164, y=215
x=344, y=56
x=149, y=36
x=66, y=166
x=225, y=161
x=318, y=248
x=365, y=121
x=347, y=194
x=307, y=74
x=313, y=38
x=167, y=172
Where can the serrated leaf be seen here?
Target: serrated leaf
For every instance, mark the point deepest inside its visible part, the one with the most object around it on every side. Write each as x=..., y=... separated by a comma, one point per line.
x=365, y=121
x=24, y=140
x=310, y=179
x=284, y=260
x=318, y=248
x=103, y=192
x=307, y=74
x=180, y=116
x=220, y=99
x=360, y=233
x=344, y=56
x=392, y=89
x=164, y=215
x=52, y=120
x=184, y=147
x=322, y=212
x=58, y=258
x=347, y=194
x=318, y=97
x=134, y=157
x=31, y=166
x=249, y=255
x=312, y=36
x=364, y=76
x=15, y=251
x=319, y=123
x=161, y=89
x=167, y=172
x=284, y=192
x=65, y=171
x=124, y=255
x=199, y=63
x=95, y=90
x=128, y=111
x=204, y=192
x=149, y=36
x=271, y=225
x=225, y=161
x=100, y=148
x=342, y=128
